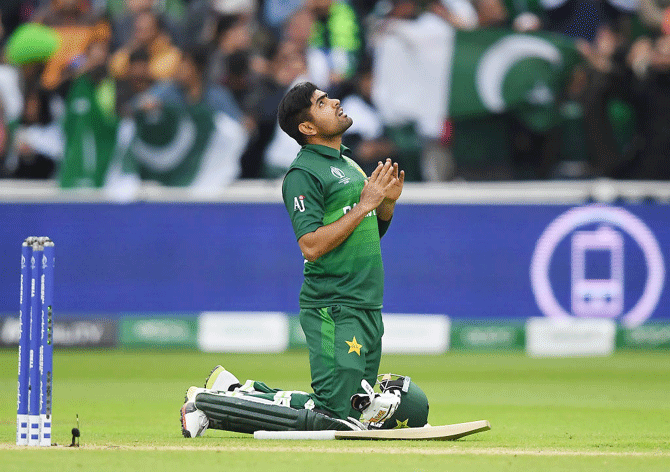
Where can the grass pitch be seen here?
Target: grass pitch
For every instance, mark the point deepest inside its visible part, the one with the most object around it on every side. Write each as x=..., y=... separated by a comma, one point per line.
x=578, y=414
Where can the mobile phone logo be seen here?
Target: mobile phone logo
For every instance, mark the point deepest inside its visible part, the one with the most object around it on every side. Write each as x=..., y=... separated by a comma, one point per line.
x=597, y=265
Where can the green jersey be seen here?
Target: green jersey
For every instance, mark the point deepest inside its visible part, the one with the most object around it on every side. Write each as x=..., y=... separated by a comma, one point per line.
x=320, y=187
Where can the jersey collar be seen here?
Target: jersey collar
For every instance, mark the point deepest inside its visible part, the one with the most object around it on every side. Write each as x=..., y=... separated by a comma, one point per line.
x=327, y=151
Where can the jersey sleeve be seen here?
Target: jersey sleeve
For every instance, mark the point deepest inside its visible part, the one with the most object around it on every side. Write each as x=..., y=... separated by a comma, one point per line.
x=303, y=197
x=383, y=226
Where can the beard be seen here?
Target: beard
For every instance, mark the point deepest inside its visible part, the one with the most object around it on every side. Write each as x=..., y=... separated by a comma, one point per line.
x=339, y=128
x=347, y=124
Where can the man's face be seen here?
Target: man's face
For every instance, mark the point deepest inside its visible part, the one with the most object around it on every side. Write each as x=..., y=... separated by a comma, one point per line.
x=319, y=7
x=237, y=38
x=288, y=64
x=137, y=6
x=140, y=78
x=66, y=5
x=146, y=27
x=187, y=72
x=328, y=117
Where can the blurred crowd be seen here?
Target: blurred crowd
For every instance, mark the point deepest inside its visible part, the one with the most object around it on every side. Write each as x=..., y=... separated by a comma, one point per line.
x=236, y=59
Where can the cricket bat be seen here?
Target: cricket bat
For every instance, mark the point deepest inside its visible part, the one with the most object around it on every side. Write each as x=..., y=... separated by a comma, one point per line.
x=447, y=432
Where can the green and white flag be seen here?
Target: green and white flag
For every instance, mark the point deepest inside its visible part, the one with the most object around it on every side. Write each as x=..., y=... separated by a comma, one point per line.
x=425, y=72
x=191, y=147
x=498, y=70
x=89, y=128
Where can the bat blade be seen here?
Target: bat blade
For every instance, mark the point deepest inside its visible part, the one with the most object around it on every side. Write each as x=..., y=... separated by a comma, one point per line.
x=448, y=432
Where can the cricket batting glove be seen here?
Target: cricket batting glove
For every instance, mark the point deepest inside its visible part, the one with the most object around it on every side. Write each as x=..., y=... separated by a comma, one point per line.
x=375, y=407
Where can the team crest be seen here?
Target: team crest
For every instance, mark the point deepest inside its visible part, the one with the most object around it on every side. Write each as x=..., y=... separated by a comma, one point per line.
x=339, y=174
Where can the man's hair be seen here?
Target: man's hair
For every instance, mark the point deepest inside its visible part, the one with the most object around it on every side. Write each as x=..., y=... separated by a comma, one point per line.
x=294, y=109
x=139, y=55
x=199, y=55
x=226, y=22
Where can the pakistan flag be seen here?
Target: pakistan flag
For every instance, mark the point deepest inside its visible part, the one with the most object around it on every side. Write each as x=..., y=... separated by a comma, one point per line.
x=497, y=70
x=191, y=146
x=425, y=71
x=89, y=128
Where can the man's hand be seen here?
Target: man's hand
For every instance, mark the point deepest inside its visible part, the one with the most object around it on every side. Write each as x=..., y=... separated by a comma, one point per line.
x=379, y=192
x=379, y=186
x=396, y=189
x=386, y=208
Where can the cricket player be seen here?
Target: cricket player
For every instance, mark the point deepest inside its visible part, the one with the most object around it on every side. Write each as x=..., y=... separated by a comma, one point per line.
x=338, y=215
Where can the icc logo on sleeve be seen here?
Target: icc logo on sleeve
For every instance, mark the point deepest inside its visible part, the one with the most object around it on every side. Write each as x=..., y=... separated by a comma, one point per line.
x=599, y=244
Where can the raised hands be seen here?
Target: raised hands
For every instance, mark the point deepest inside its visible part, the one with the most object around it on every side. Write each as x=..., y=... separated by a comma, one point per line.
x=395, y=190
x=385, y=183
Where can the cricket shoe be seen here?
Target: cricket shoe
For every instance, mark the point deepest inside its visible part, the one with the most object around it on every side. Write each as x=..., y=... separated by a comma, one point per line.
x=194, y=422
x=220, y=380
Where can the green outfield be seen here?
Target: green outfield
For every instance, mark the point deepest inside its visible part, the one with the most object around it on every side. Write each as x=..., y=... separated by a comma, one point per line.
x=608, y=414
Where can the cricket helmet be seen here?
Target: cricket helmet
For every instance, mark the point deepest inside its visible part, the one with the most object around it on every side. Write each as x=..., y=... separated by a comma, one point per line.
x=413, y=409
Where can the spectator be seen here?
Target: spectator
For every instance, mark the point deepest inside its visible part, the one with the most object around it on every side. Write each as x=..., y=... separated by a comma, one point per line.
x=11, y=108
x=239, y=79
x=458, y=13
x=37, y=140
x=298, y=30
x=12, y=14
x=76, y=28
x=32, y=141
x=149, y=34
x=199, y=25
x=203, y=17
x=274, y=13
x=365, y=8
x=583, y=18
x=233, y=37
x=190, y=87
x=10, y=91
x=655, y=15
x=604, y=64
x=336, y=32
x=290, y=66
x=186, y=132
x=642, y=76
x=323, y=41
x=124, y=12
x=411, y=51
x=651, y=99
x=137, y=81
x=490, y=13
x=90, y=122
x=287, y=65
x=368, y=137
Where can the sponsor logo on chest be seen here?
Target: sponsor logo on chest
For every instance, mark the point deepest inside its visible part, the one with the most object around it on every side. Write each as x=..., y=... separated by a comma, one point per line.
x=348, y=208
